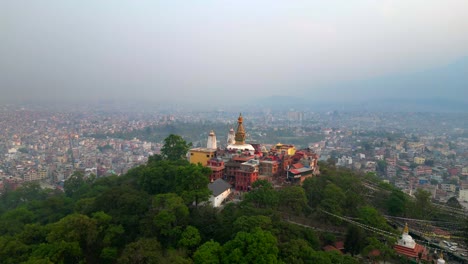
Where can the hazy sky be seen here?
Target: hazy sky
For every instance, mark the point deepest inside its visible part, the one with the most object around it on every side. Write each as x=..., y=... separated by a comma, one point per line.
x=220, y=49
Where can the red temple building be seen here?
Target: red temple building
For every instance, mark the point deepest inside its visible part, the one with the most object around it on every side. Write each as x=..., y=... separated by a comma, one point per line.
x=406, y=246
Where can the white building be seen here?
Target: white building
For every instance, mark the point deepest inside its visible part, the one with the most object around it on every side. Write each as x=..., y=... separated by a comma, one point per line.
x=211, y=143
x=463, y=195
x=221, y=190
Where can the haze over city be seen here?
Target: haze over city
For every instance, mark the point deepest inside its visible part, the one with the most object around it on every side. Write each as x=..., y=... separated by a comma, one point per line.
x=216, y=51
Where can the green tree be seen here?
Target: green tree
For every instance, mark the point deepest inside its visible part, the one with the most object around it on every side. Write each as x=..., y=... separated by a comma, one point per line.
x=57, y=252
x=108, y=238
x=354, y=240
x=156, y=177
x=13, y=221
x=192, y=183
x=208, y=253
x=75, y=185
x=28, y=192
x=381, y=166
x=175, y=147
x=126, y=206
x=250, y=223
x=336, y=257
x=422, y=206
x=370, y=216
x=286, y=232
x=190, y=238
x=33, y=234
x=453, y=202
x=256, y=247
x=314, y=190
x=12, y=250
x=262, y=195
x=297, y=251
x=52, y=209
x=142, y=251
x=397, y=203
x=320, y=257
x=76, y=228
x=170, y=216
x=293, y=198
x=385, y=251
x=333, y=201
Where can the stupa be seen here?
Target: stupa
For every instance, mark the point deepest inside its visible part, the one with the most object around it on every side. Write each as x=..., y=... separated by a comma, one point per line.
x=211, y=142
x=239, y=144
x=408, y=247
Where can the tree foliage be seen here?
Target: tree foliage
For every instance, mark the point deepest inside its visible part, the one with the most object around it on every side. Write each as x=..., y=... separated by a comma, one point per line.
x=208, y=253
x=256, y=247
x=175, y=147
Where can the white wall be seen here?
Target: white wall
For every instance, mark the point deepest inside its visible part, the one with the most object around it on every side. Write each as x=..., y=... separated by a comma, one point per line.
x=216, y=201
x=463, y=196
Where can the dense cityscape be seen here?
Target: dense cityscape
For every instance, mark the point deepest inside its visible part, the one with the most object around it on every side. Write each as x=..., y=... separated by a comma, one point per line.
x=415, y=150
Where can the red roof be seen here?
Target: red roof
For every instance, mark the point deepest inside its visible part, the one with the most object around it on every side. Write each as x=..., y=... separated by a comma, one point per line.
x=330, y=248
x=294, y=171
x=411, y=252
x=339, y=245
x=374, y=253
x=297, y=165
x=441, y=232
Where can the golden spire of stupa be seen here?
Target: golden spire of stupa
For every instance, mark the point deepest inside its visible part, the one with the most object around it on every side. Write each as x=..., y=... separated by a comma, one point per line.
x=240, y=133
x=406, y=230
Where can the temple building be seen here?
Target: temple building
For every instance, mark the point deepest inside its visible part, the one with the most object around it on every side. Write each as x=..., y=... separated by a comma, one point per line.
x=239, y=144
x=242, y=164
x=217, y=168
x=203, y=155
x=246, y=175
x=441, y=259
x=231, y=138
x=211, y=143
x=406, y=246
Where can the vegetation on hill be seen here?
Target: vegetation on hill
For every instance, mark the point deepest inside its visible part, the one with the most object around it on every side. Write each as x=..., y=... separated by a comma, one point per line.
x=153, y=214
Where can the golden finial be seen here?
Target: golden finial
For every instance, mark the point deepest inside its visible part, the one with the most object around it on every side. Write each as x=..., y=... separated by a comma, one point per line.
x=240, y=134
x=406, y=230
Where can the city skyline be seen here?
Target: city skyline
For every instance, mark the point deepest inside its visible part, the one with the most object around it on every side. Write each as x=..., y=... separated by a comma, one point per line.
x=230, y=52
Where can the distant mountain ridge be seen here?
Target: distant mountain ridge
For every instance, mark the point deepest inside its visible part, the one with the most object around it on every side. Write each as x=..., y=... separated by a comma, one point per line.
x=383, y=104
x=440, y=89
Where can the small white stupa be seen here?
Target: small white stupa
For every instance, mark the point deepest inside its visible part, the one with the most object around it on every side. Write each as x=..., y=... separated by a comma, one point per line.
x=408, y=247
x=211, y=143
x=406, y=240
x=231, y=139
x=441, y=259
